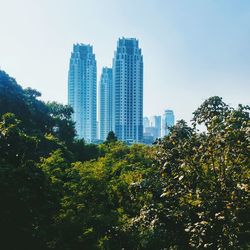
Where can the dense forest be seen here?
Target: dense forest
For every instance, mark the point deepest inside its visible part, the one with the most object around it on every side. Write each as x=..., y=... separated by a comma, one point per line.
x=187, y=191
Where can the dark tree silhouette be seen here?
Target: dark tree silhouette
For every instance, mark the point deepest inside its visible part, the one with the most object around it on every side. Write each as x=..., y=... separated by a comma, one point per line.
x=111, y=137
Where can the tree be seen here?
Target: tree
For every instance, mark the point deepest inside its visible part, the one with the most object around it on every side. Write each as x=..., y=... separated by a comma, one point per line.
x=83, y=151
x=26, y=134
x=188, y=191
x=101, y=197
x=111, y=138
x=25, y=202
x=201, y=191
x=63, y=126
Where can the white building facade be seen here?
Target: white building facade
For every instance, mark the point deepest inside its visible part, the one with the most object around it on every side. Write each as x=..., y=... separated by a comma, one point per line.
x=82, y=91
x=155, y=121
x=168, y=121
x=105, y=103
x=128, y=91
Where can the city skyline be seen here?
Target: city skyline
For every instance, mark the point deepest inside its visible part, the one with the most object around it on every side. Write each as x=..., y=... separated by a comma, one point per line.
x=157, y=126
x=120, y=93
x=192, y=49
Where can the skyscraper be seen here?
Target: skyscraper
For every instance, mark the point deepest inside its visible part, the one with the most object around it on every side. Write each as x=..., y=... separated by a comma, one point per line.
x=82, y=90
x=145, y=123
x=167, y=121
x=155, y=121
x=105, y=103
x=128, y=91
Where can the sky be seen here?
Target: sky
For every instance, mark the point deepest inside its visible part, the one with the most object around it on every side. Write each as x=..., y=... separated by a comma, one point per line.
x=192, y=49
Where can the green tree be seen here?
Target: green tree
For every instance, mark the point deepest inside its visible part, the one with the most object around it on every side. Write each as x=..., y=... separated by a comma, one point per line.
x=63, y=126
x=25, y=202
x=201, y=195
x=111, y=138
x=83, y=151
x=188, y=191
x=101, y=198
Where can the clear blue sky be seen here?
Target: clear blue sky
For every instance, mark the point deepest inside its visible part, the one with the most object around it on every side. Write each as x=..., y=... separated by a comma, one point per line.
x=192, y=49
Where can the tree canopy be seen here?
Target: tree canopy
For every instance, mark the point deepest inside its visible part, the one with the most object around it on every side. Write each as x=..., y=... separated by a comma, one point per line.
x=188, y=191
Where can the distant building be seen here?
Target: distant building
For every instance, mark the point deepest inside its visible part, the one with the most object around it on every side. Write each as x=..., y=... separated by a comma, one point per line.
x=105, y=103
x=167, y=121
x=148, y=138
x=145, y=123
x=155, y=121
x=128, y=91
x=153, y=131
x=82, y=90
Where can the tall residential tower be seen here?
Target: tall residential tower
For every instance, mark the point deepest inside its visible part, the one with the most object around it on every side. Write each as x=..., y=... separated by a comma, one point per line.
x=128, y=91
x=105, y=103
x=167, y=121
x=82, y=90
x=155, y=121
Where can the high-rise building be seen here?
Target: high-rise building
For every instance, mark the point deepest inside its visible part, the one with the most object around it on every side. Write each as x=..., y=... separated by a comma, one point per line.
x=145, y=123
x=82, y=90
x=105, y=103
x=128, y=91
x=167, y=121
x=155, y=121
x=153, y=131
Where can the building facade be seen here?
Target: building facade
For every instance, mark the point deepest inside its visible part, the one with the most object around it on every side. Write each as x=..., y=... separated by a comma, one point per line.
x=145, y=123
x=82, y=91
x=167, y=121
x=105, y=103
x=155, y=121
x=128, y=91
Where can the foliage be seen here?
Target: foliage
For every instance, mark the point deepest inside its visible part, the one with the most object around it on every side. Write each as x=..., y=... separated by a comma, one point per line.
x=100, y=198
x=24, y=192
x=84, y=152
x=29, y=130
x=111, y=137
x=202, y=201
x=188, y=191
